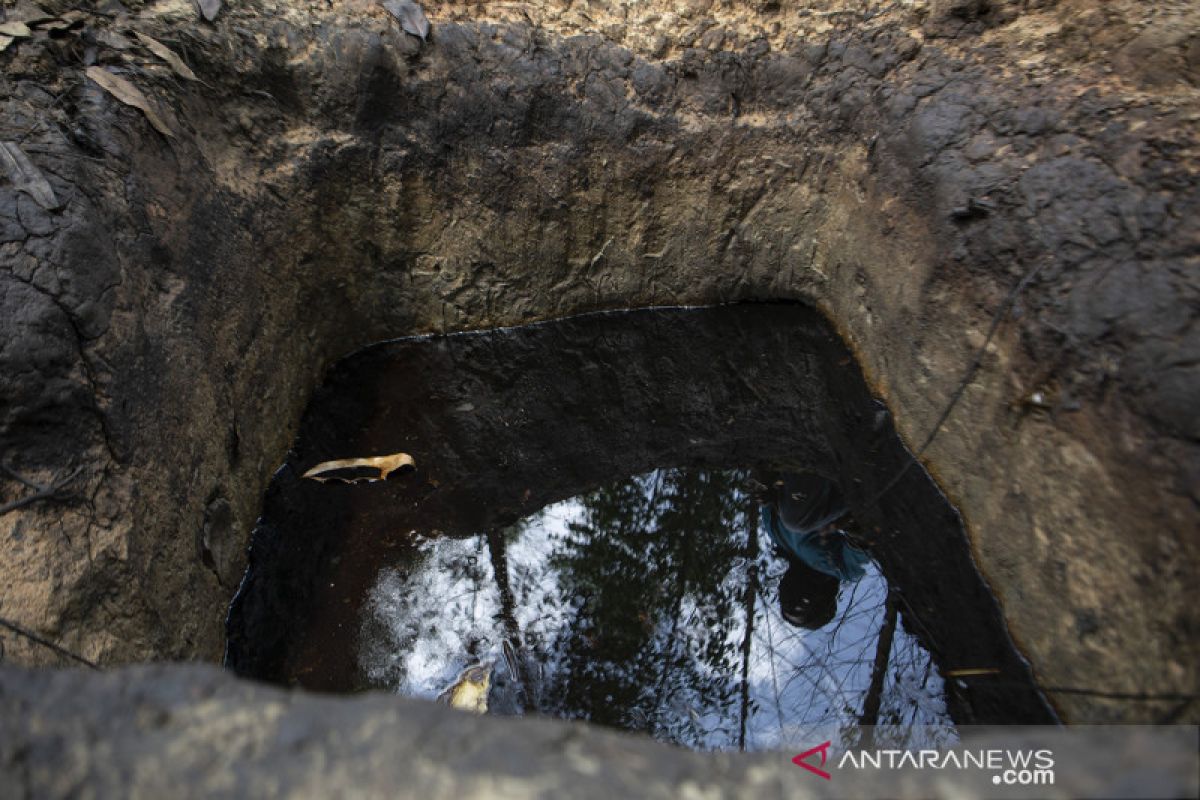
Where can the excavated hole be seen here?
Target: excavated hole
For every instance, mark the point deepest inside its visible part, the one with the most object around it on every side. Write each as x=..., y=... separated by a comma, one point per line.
x=586, y=514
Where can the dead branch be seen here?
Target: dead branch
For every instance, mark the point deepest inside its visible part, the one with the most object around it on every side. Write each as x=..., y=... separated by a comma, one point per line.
x=33, y=637
x=964, y=382
x=39, y=492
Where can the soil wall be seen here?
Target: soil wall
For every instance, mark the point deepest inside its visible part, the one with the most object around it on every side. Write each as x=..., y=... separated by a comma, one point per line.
x=331, y=181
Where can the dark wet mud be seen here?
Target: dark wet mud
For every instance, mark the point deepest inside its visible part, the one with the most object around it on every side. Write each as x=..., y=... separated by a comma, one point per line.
x=586, y=512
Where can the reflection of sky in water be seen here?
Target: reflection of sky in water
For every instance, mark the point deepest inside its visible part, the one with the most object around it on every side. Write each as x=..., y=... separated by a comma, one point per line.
x=630, y=604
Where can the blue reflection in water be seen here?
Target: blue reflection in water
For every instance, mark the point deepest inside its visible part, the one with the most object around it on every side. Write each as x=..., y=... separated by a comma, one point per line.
x=651, y=604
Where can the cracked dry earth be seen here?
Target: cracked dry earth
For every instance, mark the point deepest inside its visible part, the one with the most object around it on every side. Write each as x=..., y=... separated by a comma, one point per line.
x=911, y=169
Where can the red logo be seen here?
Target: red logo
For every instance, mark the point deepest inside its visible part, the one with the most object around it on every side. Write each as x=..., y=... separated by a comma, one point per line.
x=823, y=749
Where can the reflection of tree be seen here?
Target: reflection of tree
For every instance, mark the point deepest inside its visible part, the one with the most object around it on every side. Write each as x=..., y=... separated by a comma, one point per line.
x=651, y=604
x=883, y=653
x=498, y=552
x=649, y=574
x=749, y=595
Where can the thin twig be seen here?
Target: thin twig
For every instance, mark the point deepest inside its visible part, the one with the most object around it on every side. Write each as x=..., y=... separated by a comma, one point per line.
x=33, y=637
x=967, y=377
x=40, y=492
x=1144, y=696
x=1147, y=697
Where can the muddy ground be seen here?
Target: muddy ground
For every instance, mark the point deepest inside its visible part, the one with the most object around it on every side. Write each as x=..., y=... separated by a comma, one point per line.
x=330, y=181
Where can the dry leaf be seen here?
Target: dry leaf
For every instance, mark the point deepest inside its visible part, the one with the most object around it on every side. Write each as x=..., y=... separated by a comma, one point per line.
x=11, y=31
x=209, y=8
x=16, y=30
x=166, y=54
x=56, y=25
x=970, y=671
x=26, y=177
x=385, y=464
x=28, y=12
x=113, y=39
x=412, y=18
x=130, y=95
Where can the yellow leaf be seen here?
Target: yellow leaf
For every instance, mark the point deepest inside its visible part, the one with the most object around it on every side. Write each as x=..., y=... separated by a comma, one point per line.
x=969, y=672
x=385, y=464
